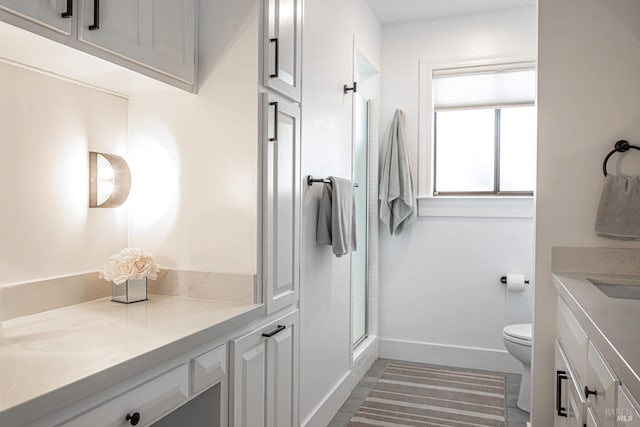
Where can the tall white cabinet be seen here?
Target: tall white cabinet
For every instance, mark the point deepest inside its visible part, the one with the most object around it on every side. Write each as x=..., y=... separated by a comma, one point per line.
x=282, y=47
x=264, y=363
x=281, y=202
x=264, y=388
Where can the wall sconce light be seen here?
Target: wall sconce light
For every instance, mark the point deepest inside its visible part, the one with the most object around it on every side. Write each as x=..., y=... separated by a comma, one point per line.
x=110, y=180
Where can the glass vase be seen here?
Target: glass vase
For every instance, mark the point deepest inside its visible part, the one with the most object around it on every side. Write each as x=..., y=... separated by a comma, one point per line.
x=130, y=291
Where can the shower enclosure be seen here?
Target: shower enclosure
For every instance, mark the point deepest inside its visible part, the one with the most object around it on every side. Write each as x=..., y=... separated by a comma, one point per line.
x=359, y=263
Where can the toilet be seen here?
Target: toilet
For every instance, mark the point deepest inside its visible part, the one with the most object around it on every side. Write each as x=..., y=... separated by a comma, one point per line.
x=517, y=341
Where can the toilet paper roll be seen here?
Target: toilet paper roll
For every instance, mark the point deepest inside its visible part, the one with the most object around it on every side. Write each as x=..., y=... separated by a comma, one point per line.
x=515, y=282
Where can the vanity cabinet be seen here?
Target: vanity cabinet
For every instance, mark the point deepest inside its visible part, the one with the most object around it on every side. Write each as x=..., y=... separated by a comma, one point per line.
x=264, y=376
x=155, y=394
x=157, y=34
x=55, y=15
x=282, y=46
x=588, y=392
x=281, y=202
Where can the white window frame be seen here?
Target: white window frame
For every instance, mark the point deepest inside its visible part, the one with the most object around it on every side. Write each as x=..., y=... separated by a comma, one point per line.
x=458, y=205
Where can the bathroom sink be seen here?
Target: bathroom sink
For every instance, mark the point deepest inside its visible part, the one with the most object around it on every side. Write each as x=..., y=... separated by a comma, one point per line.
x=622, y=289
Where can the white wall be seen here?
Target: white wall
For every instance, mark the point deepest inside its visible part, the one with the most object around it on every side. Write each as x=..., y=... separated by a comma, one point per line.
x=194, y=158
x=48, y=127
x=439, y=288
x=329, y=28
x=588, y=97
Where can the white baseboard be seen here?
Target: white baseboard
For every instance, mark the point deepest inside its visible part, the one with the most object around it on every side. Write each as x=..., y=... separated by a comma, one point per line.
x=328, y=408
x=449, y=355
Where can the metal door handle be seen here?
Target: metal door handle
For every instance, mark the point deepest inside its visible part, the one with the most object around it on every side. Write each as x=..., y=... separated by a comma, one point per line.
x=275, y=122
x=69, y=12
x=96, y=16
x=133, y=419
x=275, y=74
x=560, y=375
x=276, y=331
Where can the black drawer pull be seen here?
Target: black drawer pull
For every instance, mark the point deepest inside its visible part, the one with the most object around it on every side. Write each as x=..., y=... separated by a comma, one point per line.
x=275, y=74
x=276, y=331
x=588, y=392
x=275, y=122
x=69, y=12
x=560, y=375
x=96, y=18
x=133, y=419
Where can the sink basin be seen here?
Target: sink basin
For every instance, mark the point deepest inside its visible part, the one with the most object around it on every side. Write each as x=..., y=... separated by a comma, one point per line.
x=622, y=289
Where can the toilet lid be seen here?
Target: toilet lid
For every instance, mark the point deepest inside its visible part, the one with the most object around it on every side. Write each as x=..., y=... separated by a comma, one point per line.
x=521, y=331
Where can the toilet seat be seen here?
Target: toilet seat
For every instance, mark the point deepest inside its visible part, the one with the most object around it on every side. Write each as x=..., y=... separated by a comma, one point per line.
x=520, y=333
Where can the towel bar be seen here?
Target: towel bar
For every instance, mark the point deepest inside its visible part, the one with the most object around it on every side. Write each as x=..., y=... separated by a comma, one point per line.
x=311, y=180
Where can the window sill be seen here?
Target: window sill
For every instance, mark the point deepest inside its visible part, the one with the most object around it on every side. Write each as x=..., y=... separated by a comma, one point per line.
x=477, y=206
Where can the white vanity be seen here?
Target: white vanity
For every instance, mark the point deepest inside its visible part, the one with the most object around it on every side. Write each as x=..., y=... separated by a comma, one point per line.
x=597, y=353
x=166, y=361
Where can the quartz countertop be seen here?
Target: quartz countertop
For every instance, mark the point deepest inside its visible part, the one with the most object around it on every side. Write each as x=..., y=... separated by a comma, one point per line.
x=612, y=324
x=50, y=359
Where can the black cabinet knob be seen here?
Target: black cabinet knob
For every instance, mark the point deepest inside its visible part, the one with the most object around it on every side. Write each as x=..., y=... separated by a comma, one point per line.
x=134, y=418
x=588, y=392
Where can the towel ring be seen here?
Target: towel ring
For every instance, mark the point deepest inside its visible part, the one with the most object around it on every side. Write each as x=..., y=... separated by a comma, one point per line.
x=621, y=146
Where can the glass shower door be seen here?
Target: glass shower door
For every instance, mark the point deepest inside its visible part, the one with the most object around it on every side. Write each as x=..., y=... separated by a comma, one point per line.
x=359, y=259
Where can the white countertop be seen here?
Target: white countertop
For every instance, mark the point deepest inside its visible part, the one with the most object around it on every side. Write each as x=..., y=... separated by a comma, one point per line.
x=96, y=344
x=612, y=324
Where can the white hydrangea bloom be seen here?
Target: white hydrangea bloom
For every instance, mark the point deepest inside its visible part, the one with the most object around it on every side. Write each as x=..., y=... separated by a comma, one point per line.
x=129, y=264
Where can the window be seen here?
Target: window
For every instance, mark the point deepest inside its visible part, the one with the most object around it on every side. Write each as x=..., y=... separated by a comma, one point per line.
x=484, y=125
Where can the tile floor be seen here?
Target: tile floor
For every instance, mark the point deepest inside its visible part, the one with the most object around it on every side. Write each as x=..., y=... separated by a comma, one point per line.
x=515, y=416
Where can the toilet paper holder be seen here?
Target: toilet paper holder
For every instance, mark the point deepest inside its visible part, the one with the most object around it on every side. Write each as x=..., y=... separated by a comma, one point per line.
x=503, y=280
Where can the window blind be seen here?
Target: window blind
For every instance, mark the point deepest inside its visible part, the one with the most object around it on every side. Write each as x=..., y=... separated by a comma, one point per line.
x=477, y=87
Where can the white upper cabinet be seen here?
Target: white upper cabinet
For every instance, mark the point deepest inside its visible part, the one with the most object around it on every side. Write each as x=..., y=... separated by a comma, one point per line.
x=282, y=46
x=281, y=202
x=159, y=34
x=55, y=15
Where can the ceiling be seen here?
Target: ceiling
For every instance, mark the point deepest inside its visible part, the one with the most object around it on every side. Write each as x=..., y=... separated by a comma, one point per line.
x=393, y=11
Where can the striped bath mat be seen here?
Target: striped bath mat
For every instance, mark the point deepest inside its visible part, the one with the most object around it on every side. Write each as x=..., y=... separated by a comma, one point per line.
x=414, y=394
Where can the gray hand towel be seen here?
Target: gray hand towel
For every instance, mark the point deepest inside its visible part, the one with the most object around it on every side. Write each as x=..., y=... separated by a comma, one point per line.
x=619, y=209
x=337, y=217
x=397, y=198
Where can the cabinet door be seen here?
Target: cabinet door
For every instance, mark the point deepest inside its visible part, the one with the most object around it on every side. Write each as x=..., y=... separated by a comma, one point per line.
x=570, y=405
x=264, y=390
x=159, y=34
x=282, y=388
x=48, y=13
x=248, y=386
x=281, y=202
x=282, y=46
x=603, y=387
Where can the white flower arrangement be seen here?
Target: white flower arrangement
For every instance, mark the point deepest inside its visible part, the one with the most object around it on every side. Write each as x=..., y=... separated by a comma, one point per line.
x=129, y=264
